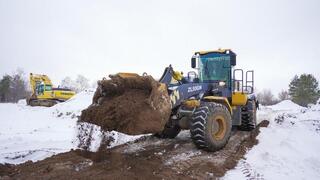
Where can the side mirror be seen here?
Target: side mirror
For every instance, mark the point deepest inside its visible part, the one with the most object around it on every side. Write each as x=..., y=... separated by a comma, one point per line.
x=233, y=60
x=193, y=62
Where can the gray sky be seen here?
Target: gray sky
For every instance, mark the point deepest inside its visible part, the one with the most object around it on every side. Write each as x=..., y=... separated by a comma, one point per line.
x=276, y=38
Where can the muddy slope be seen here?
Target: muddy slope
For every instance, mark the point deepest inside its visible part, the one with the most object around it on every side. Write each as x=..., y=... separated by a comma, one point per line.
x=147, y=158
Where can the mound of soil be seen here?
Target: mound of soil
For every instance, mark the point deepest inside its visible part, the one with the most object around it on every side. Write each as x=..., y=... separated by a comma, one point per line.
x=132, y=105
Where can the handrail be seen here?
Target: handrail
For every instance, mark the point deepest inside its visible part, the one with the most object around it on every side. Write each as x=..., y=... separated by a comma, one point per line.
x=240, y=80
x=250, y=81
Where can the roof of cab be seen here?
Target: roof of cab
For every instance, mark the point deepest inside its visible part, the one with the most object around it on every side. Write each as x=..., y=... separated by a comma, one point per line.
x=222, y=51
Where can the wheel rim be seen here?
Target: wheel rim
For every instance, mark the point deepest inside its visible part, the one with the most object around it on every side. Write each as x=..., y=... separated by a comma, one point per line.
x=219, y=127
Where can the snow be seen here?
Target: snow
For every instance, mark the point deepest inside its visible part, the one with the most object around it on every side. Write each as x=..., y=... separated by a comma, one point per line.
x=286, y=105
x=98, y=134
x=185, y=156
x=35, y=133
x=74, y=106
x=28, y=133
x=288, y=148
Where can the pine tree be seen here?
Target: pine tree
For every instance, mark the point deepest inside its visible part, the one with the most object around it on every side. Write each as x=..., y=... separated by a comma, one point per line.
x=5, y=88
x=13, y=87
x=304, y=89
x=18, y=87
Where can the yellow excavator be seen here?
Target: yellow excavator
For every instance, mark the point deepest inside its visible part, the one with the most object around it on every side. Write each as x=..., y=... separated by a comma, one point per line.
x=43, y=93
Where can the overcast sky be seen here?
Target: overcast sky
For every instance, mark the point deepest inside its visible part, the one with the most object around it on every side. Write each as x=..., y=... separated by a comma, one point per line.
x=275, y=38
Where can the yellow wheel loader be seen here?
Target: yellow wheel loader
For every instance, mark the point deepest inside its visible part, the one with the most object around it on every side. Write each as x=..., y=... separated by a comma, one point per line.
x=43, y=93
x=210, y=101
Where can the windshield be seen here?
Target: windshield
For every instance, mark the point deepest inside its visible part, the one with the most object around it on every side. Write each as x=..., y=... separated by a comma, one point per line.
x=214, y=68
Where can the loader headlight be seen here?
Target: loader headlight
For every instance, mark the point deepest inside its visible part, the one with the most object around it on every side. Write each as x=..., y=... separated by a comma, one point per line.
x=221, y=83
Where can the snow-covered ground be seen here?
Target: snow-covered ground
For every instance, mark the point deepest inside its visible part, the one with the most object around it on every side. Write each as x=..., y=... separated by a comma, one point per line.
x=288, y=148
x=35, y=133
x=32, y=133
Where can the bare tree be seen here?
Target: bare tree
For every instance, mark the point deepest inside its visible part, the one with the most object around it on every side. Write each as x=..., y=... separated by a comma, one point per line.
x=283, y=95
x=67, y=82
x=82, y=83
x=266, y=97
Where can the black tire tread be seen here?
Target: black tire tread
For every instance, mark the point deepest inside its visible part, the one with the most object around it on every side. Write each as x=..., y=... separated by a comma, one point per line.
x=198, y=126
x=248, y=116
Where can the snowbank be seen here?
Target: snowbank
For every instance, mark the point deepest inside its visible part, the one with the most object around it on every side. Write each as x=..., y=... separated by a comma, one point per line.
x=32, y=133
x=286, y=105
x=288, y=149
x=315, y=107
x=73, y=107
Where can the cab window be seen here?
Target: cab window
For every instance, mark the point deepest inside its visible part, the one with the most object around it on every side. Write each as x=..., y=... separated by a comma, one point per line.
x=48, y=88
x=214, y=69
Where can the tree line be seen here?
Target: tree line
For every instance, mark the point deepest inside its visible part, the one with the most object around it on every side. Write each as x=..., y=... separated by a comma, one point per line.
x=79, y=84
x=302, y=90
x=16, y=86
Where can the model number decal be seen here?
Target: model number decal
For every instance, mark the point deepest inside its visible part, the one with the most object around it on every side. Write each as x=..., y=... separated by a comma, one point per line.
x=194, y=88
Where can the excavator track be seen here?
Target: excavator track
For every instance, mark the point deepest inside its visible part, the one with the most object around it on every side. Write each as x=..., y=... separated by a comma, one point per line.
x=42, y=102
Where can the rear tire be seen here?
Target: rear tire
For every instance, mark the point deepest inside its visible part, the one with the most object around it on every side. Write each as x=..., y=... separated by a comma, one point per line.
x=248, y=116
x=211, y=126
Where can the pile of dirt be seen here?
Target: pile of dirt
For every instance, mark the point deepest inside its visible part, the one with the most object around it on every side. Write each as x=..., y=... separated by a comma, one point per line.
x=132, y=105
x=6, y=170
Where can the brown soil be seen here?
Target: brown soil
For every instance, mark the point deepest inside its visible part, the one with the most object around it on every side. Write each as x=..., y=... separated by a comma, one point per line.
x=132, y=105
x=147, y=158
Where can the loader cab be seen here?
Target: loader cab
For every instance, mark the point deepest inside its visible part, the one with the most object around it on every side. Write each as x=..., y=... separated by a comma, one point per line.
x=215, y=66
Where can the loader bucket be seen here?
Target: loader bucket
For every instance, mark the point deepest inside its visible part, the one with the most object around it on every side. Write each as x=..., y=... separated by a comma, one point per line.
x=130, y=104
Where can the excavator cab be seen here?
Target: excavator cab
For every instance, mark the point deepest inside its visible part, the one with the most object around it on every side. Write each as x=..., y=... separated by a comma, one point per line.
x=41, y=88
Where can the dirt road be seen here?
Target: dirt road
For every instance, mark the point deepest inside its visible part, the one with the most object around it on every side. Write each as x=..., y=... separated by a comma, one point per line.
x=147, y=158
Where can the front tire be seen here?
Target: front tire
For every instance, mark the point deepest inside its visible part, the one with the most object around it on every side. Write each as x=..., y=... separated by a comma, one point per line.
x=211, y=126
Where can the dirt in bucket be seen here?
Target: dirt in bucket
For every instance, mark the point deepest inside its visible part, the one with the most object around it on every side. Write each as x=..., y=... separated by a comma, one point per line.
x=132, y=105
